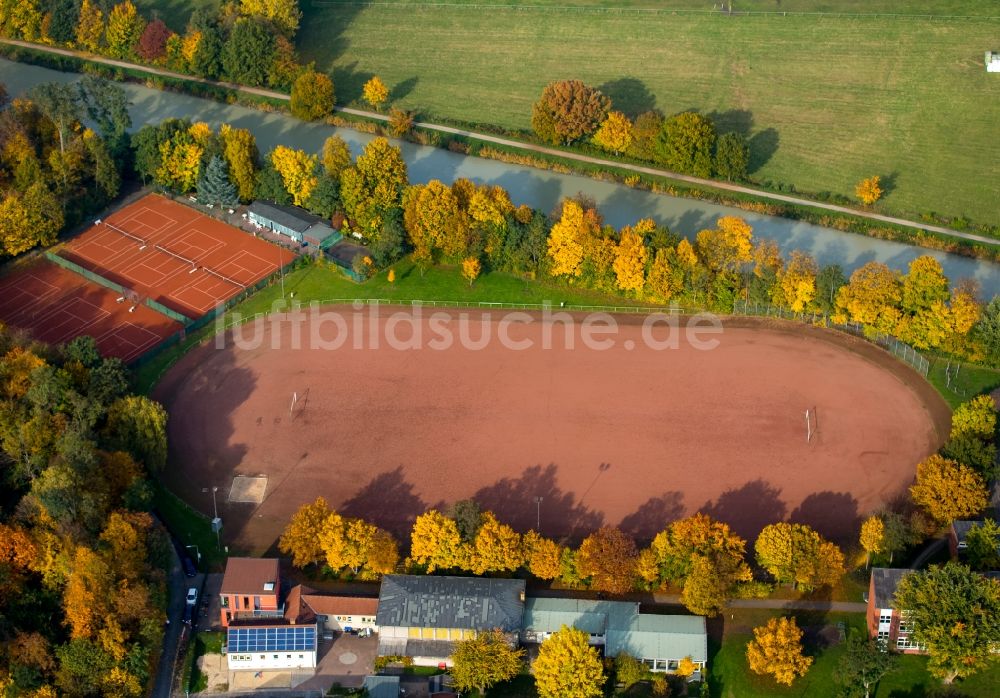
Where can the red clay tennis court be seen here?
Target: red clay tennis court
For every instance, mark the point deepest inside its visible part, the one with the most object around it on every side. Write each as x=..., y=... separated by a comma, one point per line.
x=56, y=305
x=174, y=255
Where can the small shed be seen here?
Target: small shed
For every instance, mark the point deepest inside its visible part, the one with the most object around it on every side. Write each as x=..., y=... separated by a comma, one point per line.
x=993, y=61
x=295, y=222
x=382, y=686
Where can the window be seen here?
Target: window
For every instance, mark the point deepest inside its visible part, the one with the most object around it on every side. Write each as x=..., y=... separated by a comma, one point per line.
x=885, y=618
x=883, y=635
x=275, y=656
x=671, y=665
x=288, y=656
x=302, y=656
x=225, y=602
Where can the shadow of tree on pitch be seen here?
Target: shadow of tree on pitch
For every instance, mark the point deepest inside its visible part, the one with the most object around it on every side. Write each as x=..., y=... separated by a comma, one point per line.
x=557, y=515
x=748, y=509
x=653, y=516
x=350, y=82
x=629, y=96
x=732, y=120
x=402, y=89
x=763, y=145
x=389, y=501
x=834, y=515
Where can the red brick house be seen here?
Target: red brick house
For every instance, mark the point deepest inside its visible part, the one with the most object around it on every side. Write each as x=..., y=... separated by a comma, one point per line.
x=885, y=622
x=251, y=589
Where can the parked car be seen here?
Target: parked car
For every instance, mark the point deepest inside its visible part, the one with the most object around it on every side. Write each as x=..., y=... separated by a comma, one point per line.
x=189, y=569
x=192, y=596
x=189, y=610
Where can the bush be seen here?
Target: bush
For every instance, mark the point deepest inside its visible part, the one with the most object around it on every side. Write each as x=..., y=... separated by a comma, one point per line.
x=629, y=670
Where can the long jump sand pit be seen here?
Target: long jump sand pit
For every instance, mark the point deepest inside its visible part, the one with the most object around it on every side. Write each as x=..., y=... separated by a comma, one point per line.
x=565, y=439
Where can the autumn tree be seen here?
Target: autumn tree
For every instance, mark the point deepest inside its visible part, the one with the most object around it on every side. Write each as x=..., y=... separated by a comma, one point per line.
x=152, y=44
x=687, y=142
x=240, y=150
x=727, y=246
x=869, y=190
x=497, y=547
x=336, y=156
x=955, y=614
x=796, y=287
x=436, y=543
x=732, y=157
x=777, y=650
x=568, y=110
x=139, y=425
x=947, y=490
x=298, y=172
x=666, y=276
x=434, y=220
x=301, y=537
x=283, y=14
x=90, y=26
x=646, y=135
x=312, y=96
x=607, y=558
x=470, y=269
x=568, y=667
x=372, y=188
x=863, y=665
x=484, y=660
x=615, y=134
x=796, y=554
x=630, y=259
x=542, y=555
x=872, y=537
x=179, y=162
x=125, y=28
x=565, y=243
x=375, y=92
x=871, y=298
x=400, y=122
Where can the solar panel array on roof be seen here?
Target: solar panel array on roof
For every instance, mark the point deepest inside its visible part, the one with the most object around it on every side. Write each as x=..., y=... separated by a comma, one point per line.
x=290, y=638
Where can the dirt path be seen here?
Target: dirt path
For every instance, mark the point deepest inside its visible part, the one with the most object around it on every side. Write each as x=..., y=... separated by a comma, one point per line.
x=653, y=171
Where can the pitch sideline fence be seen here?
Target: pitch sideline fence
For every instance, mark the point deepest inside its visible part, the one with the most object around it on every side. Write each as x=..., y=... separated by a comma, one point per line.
x=901, y=350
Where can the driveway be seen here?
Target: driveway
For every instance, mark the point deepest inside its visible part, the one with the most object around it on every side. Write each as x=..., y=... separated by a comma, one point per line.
x=177, y=587
x=208, y=614
x=346, y=660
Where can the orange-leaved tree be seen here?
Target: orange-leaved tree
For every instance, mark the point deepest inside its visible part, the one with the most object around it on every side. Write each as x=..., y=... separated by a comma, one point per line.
x=777, y=650
x=568, y=110
x=869, y=190
x=607, y=558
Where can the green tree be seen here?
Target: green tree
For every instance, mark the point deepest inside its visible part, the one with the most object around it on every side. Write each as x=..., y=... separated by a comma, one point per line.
x=138, y=426
x=64, y=20
x=468, y=516
x=568, y=667
x=983, y=546
x=629, y=670
x=484, y=660
x=248, y=53
x=214, y=186
x=57, y=101
x=312, y=96
x=955, y=614
x=687, y=142
x=862, y=666
x=270, y=186
x=568, y=110
x=988, y=329
x=106, y=104
x=732, y=157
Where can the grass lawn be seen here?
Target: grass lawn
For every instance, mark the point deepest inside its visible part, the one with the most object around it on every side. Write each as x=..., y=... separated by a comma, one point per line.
x=190, y=527
x=825, y=101
x=910, y=7
x=174, y=12
x=200, y=645
x=970, y=381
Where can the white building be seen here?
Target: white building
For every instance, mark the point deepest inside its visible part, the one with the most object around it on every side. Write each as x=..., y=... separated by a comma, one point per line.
x=992, y=62
x=271, y=646
x=332, y=613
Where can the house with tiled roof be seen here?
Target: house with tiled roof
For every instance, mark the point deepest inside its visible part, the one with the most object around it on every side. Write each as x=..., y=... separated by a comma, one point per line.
x=886, y=622
x=251, y=590
x=332, y=612
x=423, y=616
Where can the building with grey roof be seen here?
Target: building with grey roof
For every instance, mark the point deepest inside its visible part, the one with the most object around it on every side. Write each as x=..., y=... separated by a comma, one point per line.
x=381, y=686
x=295, y=222
x=423, y=616
x=886, y=622
x=658, y=641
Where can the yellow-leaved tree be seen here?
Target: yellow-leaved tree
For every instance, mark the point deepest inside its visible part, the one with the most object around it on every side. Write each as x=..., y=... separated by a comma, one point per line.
x=312, y=96
x=615, y=134
x=872, y=537
x=497, y=547
x=797, y=281
x=631, y=254
x=336, y=156
x=796, y=554
x=298, y=172
x=727, y=246
x=470, y=269
x=301, y=537
x=283, y=14
x=869, y=190
x=947, y=490
x=90, y=26
x=777, y=650
x=125, y=27
x=180, y=163
x=436, y=542
x=373, y=186
x=433, y=219
x=565, y=243
x=607, y=559
x=375, y=92
x=484, y=660
x=871, y=298
x=240, y=150
x=542, y=555
x=568, y=667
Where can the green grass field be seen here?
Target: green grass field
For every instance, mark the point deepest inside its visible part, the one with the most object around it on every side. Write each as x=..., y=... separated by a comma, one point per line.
x=824, y=101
